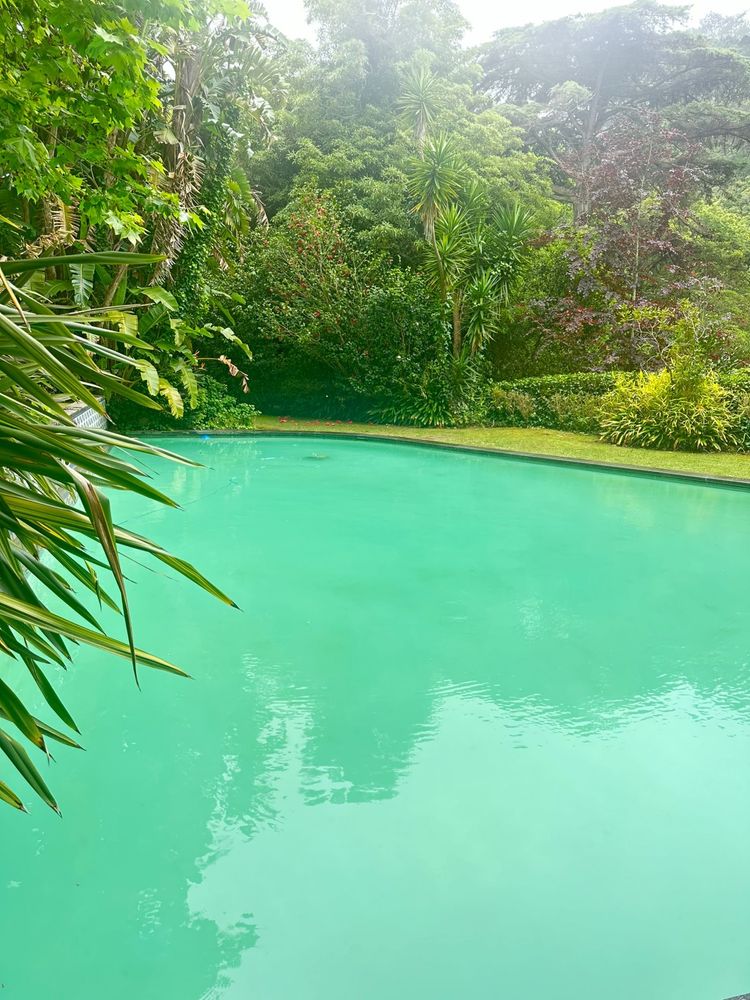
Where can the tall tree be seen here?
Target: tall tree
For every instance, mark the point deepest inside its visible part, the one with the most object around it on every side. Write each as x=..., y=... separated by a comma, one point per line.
x=572, y=78
x=387, y=33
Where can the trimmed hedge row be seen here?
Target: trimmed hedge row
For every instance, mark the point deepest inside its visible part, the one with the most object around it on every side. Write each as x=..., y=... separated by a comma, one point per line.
x=571, y=402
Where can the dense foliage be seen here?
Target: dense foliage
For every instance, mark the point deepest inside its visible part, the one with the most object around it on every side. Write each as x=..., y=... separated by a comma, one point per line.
x=99, y=105
x=548, y=203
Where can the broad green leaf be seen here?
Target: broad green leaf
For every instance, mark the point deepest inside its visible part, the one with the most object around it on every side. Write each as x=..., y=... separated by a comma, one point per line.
x=158, y=294
x=82, y=280
x=149, y=374
x=173, y=398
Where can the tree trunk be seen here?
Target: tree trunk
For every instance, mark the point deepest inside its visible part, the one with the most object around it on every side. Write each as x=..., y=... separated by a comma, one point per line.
x=581, y=202
x=456, y=327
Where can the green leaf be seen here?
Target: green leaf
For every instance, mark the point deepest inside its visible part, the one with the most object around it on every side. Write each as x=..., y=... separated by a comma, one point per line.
x=112, y=257
x=17, y=712
x=23, y=764
x=22, y=612
x=149, y=374
x=158, y=294
x=8, y=796
x=173, y=398
x=82, y=279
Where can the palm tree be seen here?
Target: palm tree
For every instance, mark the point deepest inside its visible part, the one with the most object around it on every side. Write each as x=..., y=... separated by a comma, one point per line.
x=214, y=78
x=450, y=259
x=473, y=264
x=417, y=104
x=53, y=504
x=435, y=181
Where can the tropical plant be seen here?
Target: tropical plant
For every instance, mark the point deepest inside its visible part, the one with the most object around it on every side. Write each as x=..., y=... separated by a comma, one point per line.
x=215, y=77
x=446, y=392
x=472, y=262
x=58, y=539
x=215, y=409
x=683, y=407
x=435, y=181
x=418, y=105
x=654, y=411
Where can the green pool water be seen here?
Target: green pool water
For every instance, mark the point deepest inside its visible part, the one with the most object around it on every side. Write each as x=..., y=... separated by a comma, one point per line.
x=481, y=730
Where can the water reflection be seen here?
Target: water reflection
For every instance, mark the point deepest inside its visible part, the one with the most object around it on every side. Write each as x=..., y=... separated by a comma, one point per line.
x=443, y=871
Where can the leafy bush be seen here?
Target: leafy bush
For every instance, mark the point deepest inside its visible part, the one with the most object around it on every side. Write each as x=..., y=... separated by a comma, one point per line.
x=684, y=407
x=335, y=331
x=737, y=381
x=448, y=392
x=739, y=403
x=559, y=402
x=593, y=383
x=666, y=410
x=576, y=411
x=511, y=407
x=215, y=409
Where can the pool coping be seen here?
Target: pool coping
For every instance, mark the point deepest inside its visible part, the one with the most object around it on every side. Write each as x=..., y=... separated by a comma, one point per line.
x=584, y=463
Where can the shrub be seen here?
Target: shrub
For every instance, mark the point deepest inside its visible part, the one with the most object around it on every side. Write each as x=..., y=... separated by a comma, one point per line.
x=511, y=407
x=335, y=331
x=739, y=405
x=576, y=383
x=559, y=402
x=737, y=381
x=448, y=392
x=668, y=410
x=578, y=411
x=216, y=409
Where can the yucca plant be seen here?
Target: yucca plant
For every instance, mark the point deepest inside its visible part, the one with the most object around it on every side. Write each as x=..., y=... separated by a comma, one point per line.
x=57, y=536
x=417, y=104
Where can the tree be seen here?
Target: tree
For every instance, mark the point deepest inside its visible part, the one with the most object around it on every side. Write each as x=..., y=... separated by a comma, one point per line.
x=418, y=105
x=574, y=77
x=386, y=34
x=75, y=84
x=127, y=124
x=435, y=181
x=216, y=79
x=473, y=262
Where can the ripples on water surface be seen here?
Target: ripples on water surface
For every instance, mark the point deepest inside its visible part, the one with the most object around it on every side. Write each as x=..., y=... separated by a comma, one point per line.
x=481, y=730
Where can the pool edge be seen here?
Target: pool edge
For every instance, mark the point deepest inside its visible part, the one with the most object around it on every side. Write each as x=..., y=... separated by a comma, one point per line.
x=584, y=463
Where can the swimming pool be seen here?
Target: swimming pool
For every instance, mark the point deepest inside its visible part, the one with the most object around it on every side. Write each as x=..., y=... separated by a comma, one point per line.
x=481, y=730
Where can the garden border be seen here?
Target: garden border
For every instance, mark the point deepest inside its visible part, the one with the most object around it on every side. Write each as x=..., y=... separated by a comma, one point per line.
x=584, y=463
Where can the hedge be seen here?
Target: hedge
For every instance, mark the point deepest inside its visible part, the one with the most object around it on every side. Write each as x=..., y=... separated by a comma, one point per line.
x=570, y=402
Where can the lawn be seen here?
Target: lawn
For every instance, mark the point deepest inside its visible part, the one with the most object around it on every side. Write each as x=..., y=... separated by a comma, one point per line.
x=537, y=441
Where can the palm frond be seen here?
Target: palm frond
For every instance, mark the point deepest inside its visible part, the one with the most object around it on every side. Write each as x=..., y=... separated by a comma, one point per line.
x=52, y=551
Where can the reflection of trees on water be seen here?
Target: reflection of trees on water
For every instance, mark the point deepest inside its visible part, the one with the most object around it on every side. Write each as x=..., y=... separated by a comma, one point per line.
x=408, y=598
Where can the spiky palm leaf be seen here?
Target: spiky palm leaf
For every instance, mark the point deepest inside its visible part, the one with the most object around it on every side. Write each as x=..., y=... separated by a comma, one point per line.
x=50, y=549
x=435, y=181
x=418, y=104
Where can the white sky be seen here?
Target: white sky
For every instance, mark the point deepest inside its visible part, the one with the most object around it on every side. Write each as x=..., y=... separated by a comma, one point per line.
x=486, y=16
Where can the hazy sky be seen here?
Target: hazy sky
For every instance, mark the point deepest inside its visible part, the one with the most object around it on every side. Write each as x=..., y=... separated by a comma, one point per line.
x=486, y=16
